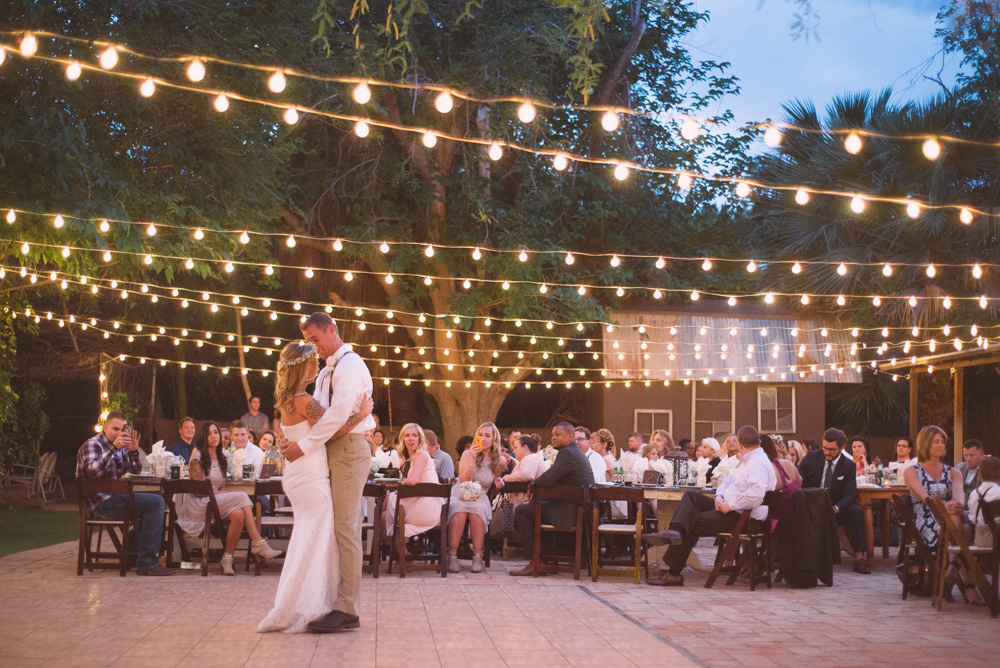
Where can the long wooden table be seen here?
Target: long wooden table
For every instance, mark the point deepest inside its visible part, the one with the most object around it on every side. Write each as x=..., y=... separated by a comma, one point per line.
x=865, y=497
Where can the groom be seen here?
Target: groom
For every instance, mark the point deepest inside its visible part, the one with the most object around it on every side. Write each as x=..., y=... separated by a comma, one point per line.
x=340, y=387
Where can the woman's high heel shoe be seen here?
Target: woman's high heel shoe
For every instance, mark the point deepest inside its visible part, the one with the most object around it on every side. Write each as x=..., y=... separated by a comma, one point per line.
x=260, y=548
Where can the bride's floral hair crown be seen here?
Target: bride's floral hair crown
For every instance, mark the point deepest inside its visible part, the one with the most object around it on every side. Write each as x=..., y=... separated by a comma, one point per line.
x=309, y=351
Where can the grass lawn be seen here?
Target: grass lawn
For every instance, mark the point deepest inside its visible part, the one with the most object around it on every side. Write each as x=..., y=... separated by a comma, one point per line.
x=29, y=528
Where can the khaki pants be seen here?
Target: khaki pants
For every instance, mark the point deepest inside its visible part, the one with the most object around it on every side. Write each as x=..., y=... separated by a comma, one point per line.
x=349, y=458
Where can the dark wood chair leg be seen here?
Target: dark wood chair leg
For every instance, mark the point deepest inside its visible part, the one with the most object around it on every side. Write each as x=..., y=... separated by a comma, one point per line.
x=579, y=538
x=536, y=557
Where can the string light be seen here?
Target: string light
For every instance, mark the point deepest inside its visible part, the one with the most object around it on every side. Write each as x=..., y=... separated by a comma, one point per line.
x=977, y=271
x=965, y=216
x=887, y=270
x=429, y=139
x=196, y=70
x=58, y=221
x=221, y=103
x=772, y=136
x=690, y=129
x=526, y=112
x=29, y=45
x=73, y=71
x=147, y=87
x=291, y=117
x=853, y=143
x=684, y=180
x=931, y=149
x=11, y=217
x=913, y=210
x=496, y=151
x=796, y=268
x=857, y=204
x=621, y=171
x=931, y=271
x=109, y=58
x=842, y=269
x=276, y=82
x=610, y=121
x=742, y=189
x=560, y=162
x=444, y=102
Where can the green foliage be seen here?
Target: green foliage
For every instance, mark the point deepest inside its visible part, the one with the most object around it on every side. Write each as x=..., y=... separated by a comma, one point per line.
x=23, y=423
x=119, y=401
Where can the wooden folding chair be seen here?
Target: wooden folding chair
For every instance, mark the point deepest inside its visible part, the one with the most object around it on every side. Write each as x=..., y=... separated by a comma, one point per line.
x=48, y=481
x=420, y=490
x=555, y=564
x=951, y=542
x=509, y=488
x=744, y=546
x=602, y=497
x=374, y=524
x=991, y=511
x=268, y=489
x=213, y=519
x=925, y=559
x=88, y=556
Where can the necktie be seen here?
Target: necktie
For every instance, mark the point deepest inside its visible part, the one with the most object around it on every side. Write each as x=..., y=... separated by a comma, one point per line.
x=828, y=475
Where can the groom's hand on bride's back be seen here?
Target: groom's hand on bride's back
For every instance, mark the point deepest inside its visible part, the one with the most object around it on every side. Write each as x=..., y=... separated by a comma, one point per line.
x=291, y=450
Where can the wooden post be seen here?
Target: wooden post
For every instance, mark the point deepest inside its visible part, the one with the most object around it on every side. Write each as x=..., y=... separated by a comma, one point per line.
x=959, y=413
x=152, y=409
x=914, y=405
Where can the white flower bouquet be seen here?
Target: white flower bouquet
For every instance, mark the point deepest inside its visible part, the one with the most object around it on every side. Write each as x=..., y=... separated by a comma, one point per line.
x=549, y=454
x=470, y=491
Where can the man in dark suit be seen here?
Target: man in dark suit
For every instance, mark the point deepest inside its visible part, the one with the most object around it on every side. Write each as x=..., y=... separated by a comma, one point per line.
x=829, y=468
x=570, y=468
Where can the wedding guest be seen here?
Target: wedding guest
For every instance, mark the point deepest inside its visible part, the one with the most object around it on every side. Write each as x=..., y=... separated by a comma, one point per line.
x=905, y=456
x=810, y=445
x=208, y=461
x=833, y=470
x=422, y=513
x=663, y=441
x=602, y=442
x=391, y=441
x=378, y=438
x=254, y=420
x=859, y=453
x=582, y=436
x=731, y=446
x=788, y=479
x=973, y=455
x=111, y=454
x=182, y=446
x=689, y=447
x=729, y=459
x=710, y=450
x=988, y=490
x=796, y=452
x=442, y=460
x=570, y=468
x=246, y=452
x=629, y=456
x=530, y=465
x=512, y=436
x=931, y=477
x=484, y=463
x=697, y=515
x=371, y=441
x=268, y=443
x=462, y=444
x=227, y=438
x=650, y=453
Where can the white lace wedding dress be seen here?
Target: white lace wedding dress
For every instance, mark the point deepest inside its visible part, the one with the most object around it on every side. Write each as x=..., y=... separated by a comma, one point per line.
x=311, y=573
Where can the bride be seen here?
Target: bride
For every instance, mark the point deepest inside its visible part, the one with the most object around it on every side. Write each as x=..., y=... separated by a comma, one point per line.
x=311, y=573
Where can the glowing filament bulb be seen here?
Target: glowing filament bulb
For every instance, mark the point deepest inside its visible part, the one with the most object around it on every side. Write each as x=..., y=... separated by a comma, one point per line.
x=221, y=103
x=65, y=251
x=796, y=268
x=853, y=143
x=388, y=279
x=695, y=296
x=731, y=301
x=931, y=148
x=196, y=70
x=965, y=216
x=913, y=210
x=151, y=230
x=276, y=82
x=427, y=280
x=931, y=271
x=912, y=301
x=107, y=256
x=660, y=263
x=610, y=121
x=876, y=300
x=620, y=292
x=570, y=259
x=109, y=58
x=338, y=245
x=199, y=234
x=706, y=265
x=857, y=204
x=429, y=251
x=946, y=302
x=73, y=71
x=526, y=112
x=977, y=271
x=25, y=248
x=477, y=254
x=229, y=268
x=429, y=139
x=887, y=270
x=684, y=180
x=560, y=162
x=444, y=102
x=291, y=116
x=147, y=87
x=244, y=238
x=690, y=129
x=290, y=241
x=842, y=269
x=772, y=136
x=466, y=284
x=804, y=299
x=615, y=261
x=58, y=222
x=505, y=285
x=621, y=171
x=148, y=260
x=362, y=93
x=801, y=197
x=384, y=247
x=769, y=298
x=11, y=217
x=496, y=151
x=582, y=290
x=982, y=302
x=29, y=45
x=742, y=189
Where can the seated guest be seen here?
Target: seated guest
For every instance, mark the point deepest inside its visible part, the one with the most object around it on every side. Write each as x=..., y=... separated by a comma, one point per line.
x=110, y=455
x=729, y=459
x=484, y=462
x=391, y=442
x=931, y=477
x=810, y=444
x=973, y=455
x=697, y=515
x=688, y=446
x=182, y=446
x=833, y=470
x=582, y=435
x=371, y=441
x=442, y=460
x=422, y=513
x=462, y=444
x=859, y=453
x=628, y=458
x=246, y=452
x=530, y=465
x=208, y=461
x=570, y=468
x=602, y=442
x=788, y=479
x=988, y=490
x=227, y=438
x=254, y=420
x=378, y=438
x=663, y=441
x=710, y=450
x=905, y=456
x=795, y=452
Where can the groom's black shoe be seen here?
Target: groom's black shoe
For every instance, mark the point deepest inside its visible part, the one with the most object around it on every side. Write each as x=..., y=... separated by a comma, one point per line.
x=334, y=622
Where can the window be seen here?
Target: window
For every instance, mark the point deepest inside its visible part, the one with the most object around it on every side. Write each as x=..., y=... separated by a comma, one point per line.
x=776, y=409
x=713, y=410
x=646, y=421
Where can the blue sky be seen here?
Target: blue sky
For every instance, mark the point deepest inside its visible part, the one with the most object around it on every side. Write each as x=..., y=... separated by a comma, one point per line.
x=863, y=45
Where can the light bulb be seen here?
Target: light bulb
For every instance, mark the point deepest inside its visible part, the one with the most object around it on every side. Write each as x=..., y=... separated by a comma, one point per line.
x=11, y=217
x=362, y=93
x=107, y=256
x=695, y=296
x=384, y=247
x=841, y=300
x=148, y=260
x=105, y=226
x=221, y=102
x=769, y=298
x=429, y=139
x=913, y=210
x=660, y=263
x=772, y=136
x=73, y=71
x=801, y=197
x=244, y=238
x=684, y=181
x=309, y=272
x=620, y=292
x=931, y=271
x=147, y=87
x=109, y=58
x=581, y=291
x=876, y=300
x=526, y=112
x=444, y=102
x=706, y=265
x=189, y=264
x=505, y=285
x=559, y=162
x=805, y=300
x=429, y=251
x=982, y=301
x=276, y=82
x=932, y=149
x=965, y=216
x=151, y=230
x=742, y=189
x=977, y=271
x=496, y=151
x=853, y=143
x=338, y=245
x=523, y=256
x=58, y=222
x=731, y=301
x=857, y=204
x=690, y=129
x=476, y=253
x=199, y=234
x=751, y=266
x=615, y=261
x=466, y=284
x=570, y=259
x=291, y=115
x=796, y=268
x=610, y=120
x=842, y=269
x=946, y=302
x=621, y=171
x=388, y=279
x=65, y=251
x=887, y=270
x=290, y=241
x=29, y=45
x=912, y=301
x=196, y=70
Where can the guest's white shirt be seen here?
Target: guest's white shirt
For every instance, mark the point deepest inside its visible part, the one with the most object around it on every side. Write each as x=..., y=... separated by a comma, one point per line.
x=528, y=468
x=248, y=455
x=746, y=487
x=627, y=460
x=351, y=381
x=902, y=466
x=597, y=464
x=987, y=491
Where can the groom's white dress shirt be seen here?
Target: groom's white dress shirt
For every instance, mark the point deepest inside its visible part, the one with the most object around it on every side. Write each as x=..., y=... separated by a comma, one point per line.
x=351, y=381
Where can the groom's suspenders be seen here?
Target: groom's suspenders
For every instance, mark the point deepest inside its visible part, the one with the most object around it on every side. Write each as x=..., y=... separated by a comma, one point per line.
x=330, y=390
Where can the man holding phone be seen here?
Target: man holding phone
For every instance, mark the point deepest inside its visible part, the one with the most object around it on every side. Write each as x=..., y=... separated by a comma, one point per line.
x=111, y=454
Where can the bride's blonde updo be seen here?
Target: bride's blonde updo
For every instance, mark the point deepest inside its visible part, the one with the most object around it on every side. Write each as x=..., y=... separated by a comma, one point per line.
x=292, y=373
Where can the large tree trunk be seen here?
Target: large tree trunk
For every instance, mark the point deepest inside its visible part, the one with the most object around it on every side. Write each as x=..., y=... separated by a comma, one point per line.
x=463, y=409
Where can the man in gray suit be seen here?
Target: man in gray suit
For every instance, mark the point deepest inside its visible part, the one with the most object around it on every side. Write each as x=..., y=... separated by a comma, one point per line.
x=973, y=454
x=570, y=468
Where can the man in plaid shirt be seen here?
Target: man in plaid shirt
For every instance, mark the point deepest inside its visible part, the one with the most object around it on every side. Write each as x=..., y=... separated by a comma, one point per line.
x=112, y=454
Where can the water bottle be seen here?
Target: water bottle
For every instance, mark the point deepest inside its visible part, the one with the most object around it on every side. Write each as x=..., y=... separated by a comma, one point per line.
x=231, y=462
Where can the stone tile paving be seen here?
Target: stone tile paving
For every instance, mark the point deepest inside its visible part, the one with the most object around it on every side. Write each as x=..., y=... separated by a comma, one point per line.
x=51, y=617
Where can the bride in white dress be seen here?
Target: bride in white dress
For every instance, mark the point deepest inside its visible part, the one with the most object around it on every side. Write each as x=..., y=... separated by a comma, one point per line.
x=311, y=573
